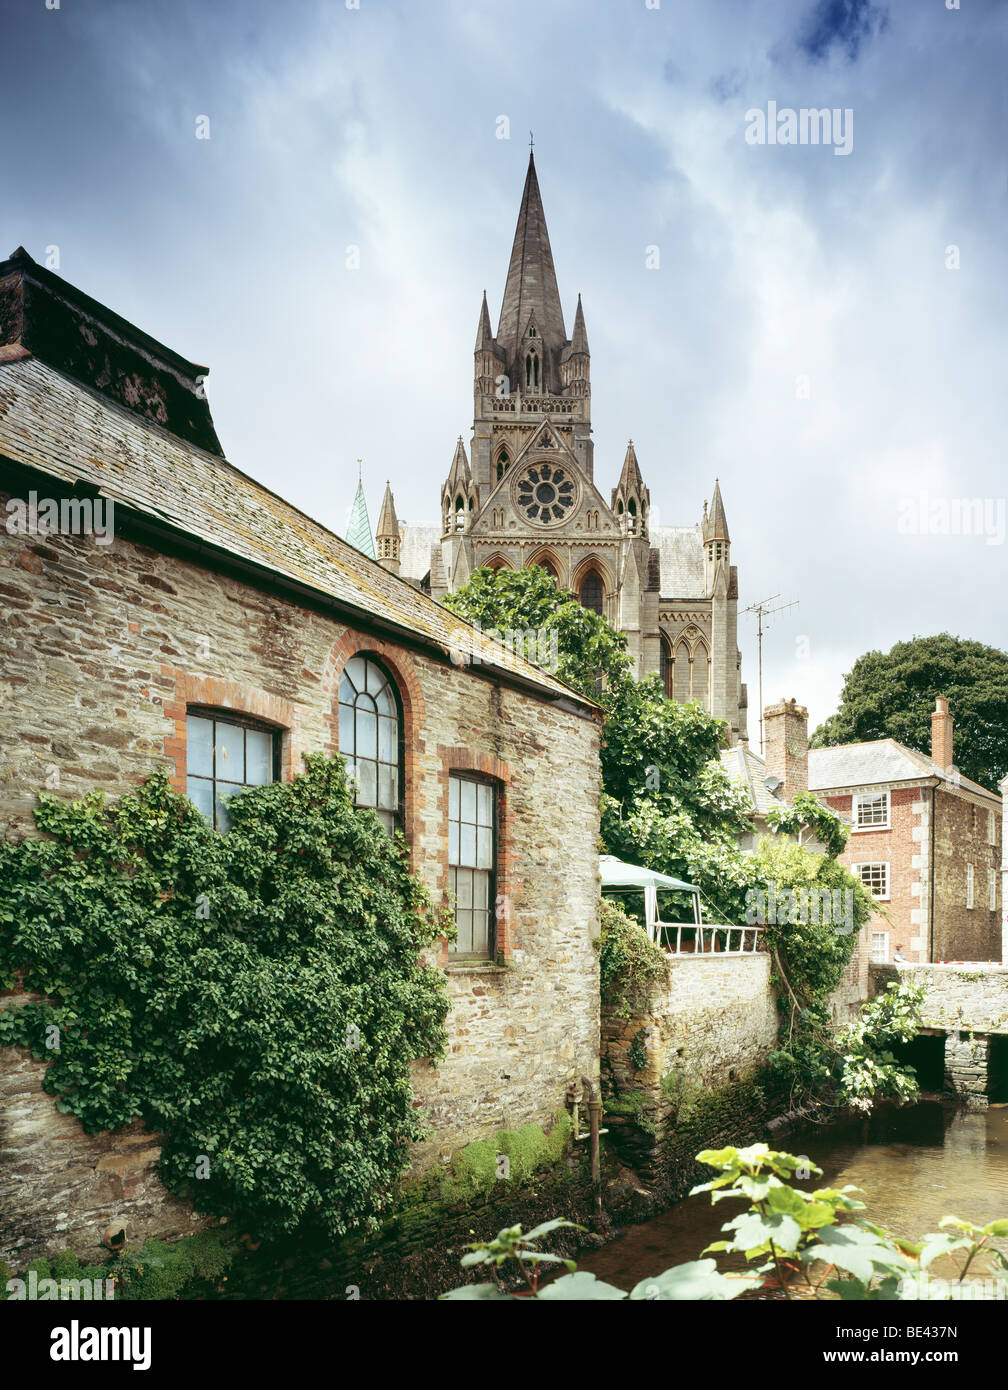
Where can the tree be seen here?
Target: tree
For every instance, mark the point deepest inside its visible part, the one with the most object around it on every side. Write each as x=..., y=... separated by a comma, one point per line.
x=892, y=695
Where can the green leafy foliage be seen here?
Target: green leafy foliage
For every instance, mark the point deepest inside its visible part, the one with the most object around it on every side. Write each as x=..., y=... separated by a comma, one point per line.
x=868, y=1066
x=892, y=695
x=798, y=1244
x=630, y=966
x=257, y=997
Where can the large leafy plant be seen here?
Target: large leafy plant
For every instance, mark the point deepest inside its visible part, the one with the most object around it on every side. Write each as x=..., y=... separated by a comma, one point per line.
x=257, y=997
x=798, y=1244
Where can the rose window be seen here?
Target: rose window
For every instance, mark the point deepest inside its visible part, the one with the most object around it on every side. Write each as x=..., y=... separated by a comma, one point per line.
x=545, y=493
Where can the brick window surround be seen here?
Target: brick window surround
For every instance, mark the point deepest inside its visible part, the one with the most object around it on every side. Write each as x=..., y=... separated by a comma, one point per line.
x=402, y=671
x=507, y=889
x=213, y=692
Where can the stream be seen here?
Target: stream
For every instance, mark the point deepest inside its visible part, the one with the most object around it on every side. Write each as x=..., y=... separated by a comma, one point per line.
x=915, y=1165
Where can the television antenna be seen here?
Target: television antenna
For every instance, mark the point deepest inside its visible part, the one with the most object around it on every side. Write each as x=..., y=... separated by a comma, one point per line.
x=763, y=610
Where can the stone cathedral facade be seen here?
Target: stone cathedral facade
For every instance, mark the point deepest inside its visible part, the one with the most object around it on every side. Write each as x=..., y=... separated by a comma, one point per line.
x=526, y=494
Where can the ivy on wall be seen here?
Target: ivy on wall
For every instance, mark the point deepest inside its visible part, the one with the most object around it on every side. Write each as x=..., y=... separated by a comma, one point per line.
x=257, y=997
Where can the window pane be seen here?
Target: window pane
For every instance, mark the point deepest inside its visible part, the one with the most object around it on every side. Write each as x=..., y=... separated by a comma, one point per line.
x=388, y=740
x=464, y=888
x=346, y=728
x=467, y=844
x=463, y=923
x=258, y=757
x=199, y=746
x=385, y=702
x=481, y=890
x=368, y=793
x=230, y=741
x=453, y=798
x=375, y=678
x=355, y=672
x=367, y=734
x=453, y=842
x=387, y=789
x=468, y=794
x=484, y=804
x=484, y=848
x=201, y=794
x=224, y=790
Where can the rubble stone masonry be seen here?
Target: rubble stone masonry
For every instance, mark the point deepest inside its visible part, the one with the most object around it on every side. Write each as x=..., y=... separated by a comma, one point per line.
x=101, y=650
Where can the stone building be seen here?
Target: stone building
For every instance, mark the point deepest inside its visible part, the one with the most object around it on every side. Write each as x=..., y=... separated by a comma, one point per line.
x=526, y=493
x=925, y=841
x=160, y=608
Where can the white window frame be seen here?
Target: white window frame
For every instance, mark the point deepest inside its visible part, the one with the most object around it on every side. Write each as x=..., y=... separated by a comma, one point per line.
x=991, y=828
x=970, y=890
x=874, y=864
x=992, y=889
x=874, y=825
x=884, y=958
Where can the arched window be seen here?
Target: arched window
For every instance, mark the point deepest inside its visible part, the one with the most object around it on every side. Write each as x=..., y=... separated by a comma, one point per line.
x=666, y=667
x=591, y=591
x=503, y=463
x=370, y=738
x=545, y=563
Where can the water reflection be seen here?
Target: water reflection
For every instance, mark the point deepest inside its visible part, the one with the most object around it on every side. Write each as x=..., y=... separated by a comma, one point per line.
x=915, y=1164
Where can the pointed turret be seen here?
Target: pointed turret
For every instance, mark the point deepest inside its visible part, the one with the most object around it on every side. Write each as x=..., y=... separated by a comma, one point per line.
x=388, y=535
x=715, y=524
x=359, y=531
x=579, y=338
x=484, y=334
x=575, y=359
x=716, y=541
x=631, y=500
x=531, y=288
x=458, y=496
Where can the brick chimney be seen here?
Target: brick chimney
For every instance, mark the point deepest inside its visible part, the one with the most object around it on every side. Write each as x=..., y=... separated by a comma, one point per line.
x=785, y=727
x=941, y=735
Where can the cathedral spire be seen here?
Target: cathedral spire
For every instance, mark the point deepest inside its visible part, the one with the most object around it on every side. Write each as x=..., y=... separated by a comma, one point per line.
x=387, y=535
x=531, y=280
x=359, y=531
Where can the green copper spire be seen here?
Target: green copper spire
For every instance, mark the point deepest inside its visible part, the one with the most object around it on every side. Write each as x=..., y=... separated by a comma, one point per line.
x=359, y=531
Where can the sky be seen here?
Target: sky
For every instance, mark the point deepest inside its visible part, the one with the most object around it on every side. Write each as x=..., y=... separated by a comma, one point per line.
x=822, y=330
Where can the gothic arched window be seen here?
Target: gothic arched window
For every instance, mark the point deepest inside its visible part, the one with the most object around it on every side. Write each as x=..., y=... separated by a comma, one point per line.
x=591, y=592
x=666, y=667
x=370, y=738
x=503, y=463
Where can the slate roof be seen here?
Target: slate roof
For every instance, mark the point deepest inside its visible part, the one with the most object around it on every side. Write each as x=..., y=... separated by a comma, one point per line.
x=71, y=432
x=531, y=279
x=745, y=766
x=880, y=760
x=682, y=566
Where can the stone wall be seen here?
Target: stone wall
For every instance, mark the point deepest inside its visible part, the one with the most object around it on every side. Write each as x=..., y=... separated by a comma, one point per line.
x=101, y=651
x=962, y=839
x=959, y=997
x=714, y=1020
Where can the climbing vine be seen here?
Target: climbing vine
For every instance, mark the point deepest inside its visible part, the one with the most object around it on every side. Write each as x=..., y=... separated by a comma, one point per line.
x=257, y=997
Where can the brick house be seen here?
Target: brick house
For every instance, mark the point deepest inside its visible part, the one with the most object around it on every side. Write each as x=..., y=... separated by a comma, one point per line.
x=925, y=840
x=159, y=607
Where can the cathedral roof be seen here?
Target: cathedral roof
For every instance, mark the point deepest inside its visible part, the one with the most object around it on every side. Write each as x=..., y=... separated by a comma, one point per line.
x=682, y=565
x=531, y=279
x=388, y=522
x=359, y=531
